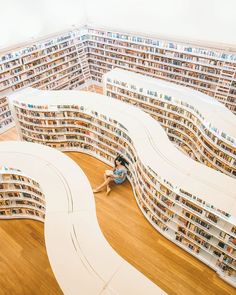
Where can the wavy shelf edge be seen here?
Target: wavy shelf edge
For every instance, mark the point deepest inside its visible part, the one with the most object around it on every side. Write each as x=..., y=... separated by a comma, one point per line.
x=212, y=118
x=81, y=258
x=172, y=171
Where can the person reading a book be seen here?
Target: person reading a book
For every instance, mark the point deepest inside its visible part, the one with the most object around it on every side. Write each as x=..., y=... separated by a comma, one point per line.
x=117, y=175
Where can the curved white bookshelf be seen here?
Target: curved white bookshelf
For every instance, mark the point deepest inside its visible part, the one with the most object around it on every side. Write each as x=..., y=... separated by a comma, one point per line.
x=6, y=120
x=190, y=204
x=80, y=56
x=200, y=125
x=20, y=195
x=82, y=260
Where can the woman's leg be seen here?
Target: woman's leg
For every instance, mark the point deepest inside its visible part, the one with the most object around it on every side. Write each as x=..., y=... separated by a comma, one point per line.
x=108, y=187
x=105, y=176
x=104, y=184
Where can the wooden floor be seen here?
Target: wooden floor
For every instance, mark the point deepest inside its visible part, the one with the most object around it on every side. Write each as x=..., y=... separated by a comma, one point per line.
x=131, y=235
x=24, y=266
x=11, y=134
x=94, y=88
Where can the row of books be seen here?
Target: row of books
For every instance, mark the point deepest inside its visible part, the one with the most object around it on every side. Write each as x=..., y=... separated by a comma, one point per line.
x=20, y=195
x=184, y=124
x=205, y=72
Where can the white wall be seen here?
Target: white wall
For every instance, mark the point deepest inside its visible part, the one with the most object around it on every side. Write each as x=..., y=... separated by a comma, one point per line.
x=21, y=20
x=204, y=20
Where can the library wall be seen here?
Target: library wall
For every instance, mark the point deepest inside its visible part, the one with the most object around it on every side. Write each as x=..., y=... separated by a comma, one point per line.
x=54, y=62
x=215, y=24
x=35, y=19
x=209, y=70
x=217, y=18
x=82, y=55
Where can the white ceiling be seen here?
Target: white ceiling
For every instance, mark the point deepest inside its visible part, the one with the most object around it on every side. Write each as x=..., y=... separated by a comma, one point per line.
x=204, y=20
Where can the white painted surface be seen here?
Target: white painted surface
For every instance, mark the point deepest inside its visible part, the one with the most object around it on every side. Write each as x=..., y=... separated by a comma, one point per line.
x=26, y=20
x=151, y=143
x=212, y=110
x=204, y=20
x=81, y=258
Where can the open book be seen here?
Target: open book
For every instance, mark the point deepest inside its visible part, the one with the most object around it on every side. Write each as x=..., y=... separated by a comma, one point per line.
x=109, y=172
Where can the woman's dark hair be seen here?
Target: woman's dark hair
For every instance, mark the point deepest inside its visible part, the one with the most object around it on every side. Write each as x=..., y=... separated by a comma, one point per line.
x=121, y=160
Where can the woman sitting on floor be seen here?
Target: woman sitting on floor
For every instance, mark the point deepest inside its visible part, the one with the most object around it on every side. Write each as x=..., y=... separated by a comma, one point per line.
x=117, y=175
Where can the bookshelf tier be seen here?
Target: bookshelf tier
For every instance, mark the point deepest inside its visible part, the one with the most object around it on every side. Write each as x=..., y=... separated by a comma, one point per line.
x=190, y=204
x=82, y=260
x=202, y=127
x=6, y=120
x=80, y=56
x=20, y=196
x=207, y=69
x=54, y=62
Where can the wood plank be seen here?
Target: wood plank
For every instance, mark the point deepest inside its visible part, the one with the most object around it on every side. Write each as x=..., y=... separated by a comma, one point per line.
x=130, y=234
x=10, y=134
x=24, y=265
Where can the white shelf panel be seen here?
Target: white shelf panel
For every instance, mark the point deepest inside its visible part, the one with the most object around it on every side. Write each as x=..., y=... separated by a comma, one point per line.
x=83, y=262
